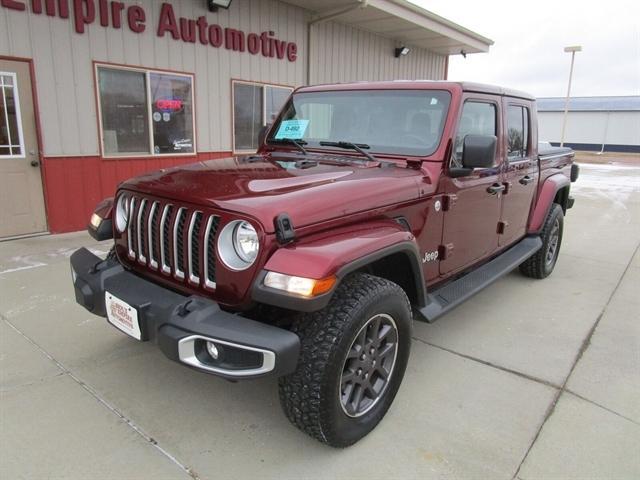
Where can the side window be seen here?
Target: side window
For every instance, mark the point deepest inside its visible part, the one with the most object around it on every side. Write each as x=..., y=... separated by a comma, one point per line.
x=478, y=118
x=517, y=131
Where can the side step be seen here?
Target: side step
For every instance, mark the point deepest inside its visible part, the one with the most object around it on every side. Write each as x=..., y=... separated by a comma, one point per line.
x=451, y=295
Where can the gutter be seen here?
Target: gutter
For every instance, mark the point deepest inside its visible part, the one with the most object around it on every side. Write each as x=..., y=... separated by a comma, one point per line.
x=328, y=15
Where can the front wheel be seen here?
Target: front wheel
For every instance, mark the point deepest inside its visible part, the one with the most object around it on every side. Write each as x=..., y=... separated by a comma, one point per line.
x=543, y=262
x=353, y=357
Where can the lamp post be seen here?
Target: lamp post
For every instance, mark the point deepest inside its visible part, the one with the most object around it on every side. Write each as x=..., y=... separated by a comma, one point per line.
x=573, y=50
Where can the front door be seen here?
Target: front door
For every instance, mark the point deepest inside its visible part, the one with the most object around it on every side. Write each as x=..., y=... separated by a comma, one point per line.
x=473, y=209
x=21, y=197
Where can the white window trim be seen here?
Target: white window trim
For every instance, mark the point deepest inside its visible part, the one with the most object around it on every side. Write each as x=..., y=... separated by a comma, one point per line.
x=147, y=72
x=264, y=108
x=16, y=97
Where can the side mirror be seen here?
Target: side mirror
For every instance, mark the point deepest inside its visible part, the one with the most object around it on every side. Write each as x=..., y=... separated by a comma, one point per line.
x=262, y=134
x=479, y=151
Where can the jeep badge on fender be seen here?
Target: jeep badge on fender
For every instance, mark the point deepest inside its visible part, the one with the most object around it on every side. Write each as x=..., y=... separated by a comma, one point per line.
x=367, y=206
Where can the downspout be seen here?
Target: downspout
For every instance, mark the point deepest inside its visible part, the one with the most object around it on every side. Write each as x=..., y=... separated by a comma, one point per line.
x=330, y=15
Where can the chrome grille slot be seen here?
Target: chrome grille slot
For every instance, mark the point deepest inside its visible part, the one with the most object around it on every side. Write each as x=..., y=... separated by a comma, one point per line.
x=193, y=247
x=131, y=228
x=165, y=228
x=152, y=229
x=209, y=246
x=140, y=230
x=178, y=242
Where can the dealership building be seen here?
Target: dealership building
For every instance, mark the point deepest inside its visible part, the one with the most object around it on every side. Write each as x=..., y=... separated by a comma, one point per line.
x=96, y=91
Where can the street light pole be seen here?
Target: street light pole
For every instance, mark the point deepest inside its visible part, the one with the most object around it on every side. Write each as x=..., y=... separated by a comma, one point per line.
x=573, y=50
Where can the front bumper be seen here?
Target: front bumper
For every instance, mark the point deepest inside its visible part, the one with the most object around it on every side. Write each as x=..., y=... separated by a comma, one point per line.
x=182, y=325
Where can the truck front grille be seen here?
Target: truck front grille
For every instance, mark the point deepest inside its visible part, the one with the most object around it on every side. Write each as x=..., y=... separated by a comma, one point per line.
x=175, y=240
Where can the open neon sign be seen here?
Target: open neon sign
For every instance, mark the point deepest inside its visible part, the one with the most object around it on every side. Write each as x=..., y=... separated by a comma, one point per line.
x=169, y=105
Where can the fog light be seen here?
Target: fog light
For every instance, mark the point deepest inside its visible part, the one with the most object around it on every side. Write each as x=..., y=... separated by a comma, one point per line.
x=212, y=350
x=96, y=220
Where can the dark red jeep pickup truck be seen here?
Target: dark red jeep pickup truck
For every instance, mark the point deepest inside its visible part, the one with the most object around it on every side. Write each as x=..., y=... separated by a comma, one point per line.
x=367, y=205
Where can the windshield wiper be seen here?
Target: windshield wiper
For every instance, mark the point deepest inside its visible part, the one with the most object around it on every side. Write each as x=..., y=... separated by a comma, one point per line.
x=295, y=142
x=358, y=147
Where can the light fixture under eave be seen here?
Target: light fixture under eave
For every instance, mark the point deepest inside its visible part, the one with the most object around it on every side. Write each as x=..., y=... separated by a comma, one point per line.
x=402, y=51
x=213, y=5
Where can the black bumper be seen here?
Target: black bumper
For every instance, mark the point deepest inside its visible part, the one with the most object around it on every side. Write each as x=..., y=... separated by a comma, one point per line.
x=182, y=325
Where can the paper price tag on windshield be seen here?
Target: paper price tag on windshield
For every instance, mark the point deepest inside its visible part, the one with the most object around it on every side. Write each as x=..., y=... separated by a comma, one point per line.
x=292, y=129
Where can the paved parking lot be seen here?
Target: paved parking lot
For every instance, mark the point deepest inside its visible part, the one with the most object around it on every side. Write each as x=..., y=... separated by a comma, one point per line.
x=529, y=379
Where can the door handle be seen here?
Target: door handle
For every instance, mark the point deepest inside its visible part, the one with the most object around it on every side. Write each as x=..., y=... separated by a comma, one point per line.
x=526, y=180
x=496, y=188
x=34, y=163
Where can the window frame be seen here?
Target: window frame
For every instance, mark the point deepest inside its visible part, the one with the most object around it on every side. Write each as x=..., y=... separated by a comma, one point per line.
x=498, y=126
x=147, y=71
x=16, y=96
x=526, y=118
x=235, y=81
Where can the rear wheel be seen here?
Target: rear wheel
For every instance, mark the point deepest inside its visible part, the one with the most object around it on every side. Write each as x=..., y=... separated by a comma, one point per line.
x=543, y=262
x=353, y=357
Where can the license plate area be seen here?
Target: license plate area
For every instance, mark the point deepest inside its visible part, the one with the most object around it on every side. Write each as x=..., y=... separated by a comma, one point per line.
x=122, y=316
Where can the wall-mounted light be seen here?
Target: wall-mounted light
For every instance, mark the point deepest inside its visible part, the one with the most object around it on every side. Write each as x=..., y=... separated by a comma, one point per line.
x=213, y=5
x=402, y=51
x=463, y=53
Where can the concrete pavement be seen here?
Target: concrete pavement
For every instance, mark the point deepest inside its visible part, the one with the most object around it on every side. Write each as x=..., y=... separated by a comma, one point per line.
x=529, y=379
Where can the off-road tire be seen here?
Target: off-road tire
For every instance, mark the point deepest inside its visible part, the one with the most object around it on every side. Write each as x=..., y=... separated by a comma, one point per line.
x=310, y=397
x=538, y=266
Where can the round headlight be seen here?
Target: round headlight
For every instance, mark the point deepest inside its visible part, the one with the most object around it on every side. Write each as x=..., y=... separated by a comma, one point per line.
x=245, y=241
x=238, y=245
x=122, y=213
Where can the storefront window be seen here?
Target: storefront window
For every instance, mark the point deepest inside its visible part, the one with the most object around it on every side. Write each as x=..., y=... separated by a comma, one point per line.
x=254, y=106
x=11, y=142
x=145, y=112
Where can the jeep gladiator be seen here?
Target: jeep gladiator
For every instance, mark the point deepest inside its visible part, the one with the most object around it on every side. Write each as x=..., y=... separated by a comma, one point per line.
x=367, y=205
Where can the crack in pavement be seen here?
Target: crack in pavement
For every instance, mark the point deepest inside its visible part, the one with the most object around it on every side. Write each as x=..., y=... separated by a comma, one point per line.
x=65, y=371
x=583, y=348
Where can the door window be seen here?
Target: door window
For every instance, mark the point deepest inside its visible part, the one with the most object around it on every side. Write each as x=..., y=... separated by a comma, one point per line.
x=478, y=118
x=517, y=131
x=11, y=139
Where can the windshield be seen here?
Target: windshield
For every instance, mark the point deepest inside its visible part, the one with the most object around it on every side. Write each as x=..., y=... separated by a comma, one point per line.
x=398, y=122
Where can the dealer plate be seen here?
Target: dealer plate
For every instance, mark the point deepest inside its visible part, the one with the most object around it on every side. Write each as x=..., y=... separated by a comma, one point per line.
x=122, y=315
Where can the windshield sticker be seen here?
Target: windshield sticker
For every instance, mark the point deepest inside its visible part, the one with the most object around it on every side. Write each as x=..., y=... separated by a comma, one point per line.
x=292, y=129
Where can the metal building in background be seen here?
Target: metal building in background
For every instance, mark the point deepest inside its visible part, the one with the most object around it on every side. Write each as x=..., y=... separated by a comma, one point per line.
x=597, y=124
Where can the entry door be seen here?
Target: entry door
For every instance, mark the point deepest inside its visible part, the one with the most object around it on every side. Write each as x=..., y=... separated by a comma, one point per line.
x=21, y=197
x=521, y=173
x=471, y=220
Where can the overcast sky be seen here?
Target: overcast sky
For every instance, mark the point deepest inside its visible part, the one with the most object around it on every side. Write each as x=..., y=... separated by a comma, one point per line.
x=530, y=36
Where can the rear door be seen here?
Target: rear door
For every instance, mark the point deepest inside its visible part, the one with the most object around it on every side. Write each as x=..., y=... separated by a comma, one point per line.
x=472, y=212
x=520, y=171
x=21, y=196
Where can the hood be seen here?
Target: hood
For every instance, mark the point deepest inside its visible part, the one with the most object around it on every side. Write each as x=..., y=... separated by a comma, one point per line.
x=262, y=187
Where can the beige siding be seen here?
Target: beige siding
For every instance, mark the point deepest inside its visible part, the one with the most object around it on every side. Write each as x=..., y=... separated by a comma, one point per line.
x=64, y=70
x=340, y=53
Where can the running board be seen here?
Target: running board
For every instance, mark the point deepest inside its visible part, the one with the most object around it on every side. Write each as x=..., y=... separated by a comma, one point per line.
x=451, y=295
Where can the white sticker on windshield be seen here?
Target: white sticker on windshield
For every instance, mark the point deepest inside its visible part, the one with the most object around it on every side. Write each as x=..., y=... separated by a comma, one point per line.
x=292, y=129
x=434, y=101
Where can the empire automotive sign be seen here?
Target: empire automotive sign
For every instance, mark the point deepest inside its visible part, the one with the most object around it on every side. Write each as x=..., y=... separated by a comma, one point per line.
x=112, y=13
